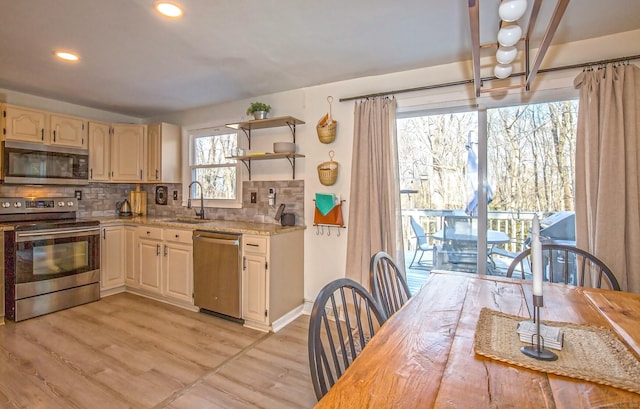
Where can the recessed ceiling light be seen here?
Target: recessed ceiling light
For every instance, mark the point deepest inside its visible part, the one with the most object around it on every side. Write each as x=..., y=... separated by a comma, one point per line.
x=66, y=55
x=168, y=9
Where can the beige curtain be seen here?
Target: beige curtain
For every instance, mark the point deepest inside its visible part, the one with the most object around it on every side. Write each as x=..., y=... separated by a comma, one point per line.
x=608, y=169
x=374, y=206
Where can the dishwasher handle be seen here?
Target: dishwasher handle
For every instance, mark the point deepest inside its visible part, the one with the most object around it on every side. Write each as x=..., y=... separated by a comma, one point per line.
x=228, y=242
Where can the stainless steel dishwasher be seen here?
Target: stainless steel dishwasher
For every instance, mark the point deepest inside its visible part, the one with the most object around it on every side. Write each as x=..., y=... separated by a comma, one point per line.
x=217, y=273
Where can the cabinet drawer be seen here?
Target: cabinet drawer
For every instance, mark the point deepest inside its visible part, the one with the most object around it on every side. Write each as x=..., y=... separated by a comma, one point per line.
x=255, y=244
x=179, y=235
x=150, y=232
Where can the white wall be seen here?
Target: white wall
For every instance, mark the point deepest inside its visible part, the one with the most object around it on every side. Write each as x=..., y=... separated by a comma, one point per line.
x=51, y=105
x=325, y=257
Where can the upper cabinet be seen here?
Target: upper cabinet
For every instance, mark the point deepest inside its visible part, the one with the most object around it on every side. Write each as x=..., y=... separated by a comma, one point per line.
x=25, y=124
x=127, y=153
x=116, y=152
x=34, y=126
x=99, y=151
x=163, y=153
x=68, y=131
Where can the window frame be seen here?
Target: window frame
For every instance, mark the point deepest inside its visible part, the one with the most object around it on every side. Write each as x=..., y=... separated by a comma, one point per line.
x=191, y=135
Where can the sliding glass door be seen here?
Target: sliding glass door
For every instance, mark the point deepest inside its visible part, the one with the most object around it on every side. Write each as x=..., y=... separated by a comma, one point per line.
x=472, y=180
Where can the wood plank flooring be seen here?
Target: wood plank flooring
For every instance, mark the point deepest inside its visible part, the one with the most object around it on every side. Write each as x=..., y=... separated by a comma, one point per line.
x=127, y=351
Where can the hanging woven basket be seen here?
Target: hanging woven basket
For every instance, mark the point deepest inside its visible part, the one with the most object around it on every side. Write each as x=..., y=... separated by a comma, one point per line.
x=328, y=171
x=327, y=126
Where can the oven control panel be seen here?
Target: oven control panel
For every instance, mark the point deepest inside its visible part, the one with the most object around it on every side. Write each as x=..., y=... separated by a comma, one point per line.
x=10, y=205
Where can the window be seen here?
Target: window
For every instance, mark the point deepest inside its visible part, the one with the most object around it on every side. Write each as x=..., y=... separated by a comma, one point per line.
x=209, y=165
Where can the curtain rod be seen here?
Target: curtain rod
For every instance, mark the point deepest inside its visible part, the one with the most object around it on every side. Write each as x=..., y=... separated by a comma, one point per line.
x=464, y=82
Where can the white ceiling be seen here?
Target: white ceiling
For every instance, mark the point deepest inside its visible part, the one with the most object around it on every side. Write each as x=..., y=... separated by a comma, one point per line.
x=136, y=63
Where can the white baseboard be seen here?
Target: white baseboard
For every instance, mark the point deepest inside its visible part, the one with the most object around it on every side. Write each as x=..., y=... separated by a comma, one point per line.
x=287, y=319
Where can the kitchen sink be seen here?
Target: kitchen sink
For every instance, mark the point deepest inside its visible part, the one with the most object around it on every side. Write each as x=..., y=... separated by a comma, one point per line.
x=189, y=220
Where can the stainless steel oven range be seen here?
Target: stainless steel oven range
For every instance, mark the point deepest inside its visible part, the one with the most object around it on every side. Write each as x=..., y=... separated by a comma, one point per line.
x=51, y=259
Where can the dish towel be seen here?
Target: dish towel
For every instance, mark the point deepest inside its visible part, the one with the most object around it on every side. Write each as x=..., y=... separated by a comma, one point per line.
x=325, y=202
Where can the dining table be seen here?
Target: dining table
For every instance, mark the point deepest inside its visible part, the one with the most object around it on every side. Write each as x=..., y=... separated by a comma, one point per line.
x=423, y=356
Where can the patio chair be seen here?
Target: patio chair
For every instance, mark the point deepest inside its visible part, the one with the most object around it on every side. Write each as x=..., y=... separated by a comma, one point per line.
x=565, y=264
x=421, y=241
x=387, y=282
x=343, y=319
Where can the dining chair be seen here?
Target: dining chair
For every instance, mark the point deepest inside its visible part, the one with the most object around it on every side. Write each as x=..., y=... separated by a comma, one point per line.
x=421, y=241
x=565, y=264
x=387, y=282
x=343, y=319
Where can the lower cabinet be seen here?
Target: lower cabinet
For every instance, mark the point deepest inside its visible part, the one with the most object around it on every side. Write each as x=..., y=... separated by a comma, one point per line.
x=112, y=272
x=177, y=264
x=165, y=262
x=272, y=279
x=131, y=272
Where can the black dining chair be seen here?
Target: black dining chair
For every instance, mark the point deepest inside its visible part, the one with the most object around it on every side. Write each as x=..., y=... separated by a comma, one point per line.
x=565, y=264
x=343, y=319
x=421, y=244
x=387, y=282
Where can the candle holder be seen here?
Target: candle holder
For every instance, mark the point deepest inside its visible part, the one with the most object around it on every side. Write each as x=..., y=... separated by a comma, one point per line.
x=536, y=350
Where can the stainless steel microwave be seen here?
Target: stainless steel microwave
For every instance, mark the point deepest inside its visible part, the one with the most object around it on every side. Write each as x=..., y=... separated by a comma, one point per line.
x=28, y=163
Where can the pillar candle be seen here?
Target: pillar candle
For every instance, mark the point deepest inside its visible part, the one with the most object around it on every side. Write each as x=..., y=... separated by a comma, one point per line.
x=536, y=257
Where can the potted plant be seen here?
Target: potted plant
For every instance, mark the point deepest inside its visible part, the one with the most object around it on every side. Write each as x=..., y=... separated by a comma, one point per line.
x=259, y=110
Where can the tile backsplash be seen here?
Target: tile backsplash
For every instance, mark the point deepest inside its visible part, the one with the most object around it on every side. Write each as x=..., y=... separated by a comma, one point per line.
x=99, y=199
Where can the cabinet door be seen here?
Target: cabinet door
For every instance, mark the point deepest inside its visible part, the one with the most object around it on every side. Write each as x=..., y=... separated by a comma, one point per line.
x=164, y=153
x=23, y=124
x=154, y=152
x=131, y=271
x=254, y=288
x=99, y=151
x=68, y=131
x=177, y=267
x=150, y=264
x=111, y=260
x=127, y=145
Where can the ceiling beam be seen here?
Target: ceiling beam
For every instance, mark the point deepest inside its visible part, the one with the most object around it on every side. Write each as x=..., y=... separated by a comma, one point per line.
x=561, y=7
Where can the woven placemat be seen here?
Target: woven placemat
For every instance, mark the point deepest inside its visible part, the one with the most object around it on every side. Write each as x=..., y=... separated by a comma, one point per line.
x=590, y=353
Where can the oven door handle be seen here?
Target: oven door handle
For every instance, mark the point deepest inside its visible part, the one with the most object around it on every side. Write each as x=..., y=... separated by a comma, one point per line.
x=57, y=233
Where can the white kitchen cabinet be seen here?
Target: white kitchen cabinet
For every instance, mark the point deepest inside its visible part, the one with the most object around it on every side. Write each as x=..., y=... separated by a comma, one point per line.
x=272, y=278
x=68, y=131
x=131, y=272
x=25, y=124
x=127, y=153
x=111, y=258
x=165, y=263
x=99, y=151
x=163, y=153
x=177, y=264
x=254, y=297
x=150, y=258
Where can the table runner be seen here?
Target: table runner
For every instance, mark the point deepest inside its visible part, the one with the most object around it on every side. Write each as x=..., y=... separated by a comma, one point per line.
x=590, y=353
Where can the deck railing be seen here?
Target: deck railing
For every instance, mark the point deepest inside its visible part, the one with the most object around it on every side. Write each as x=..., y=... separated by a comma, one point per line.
x=515, y=224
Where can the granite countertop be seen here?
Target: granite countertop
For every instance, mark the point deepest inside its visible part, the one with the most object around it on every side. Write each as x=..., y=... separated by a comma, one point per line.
x=227, y=226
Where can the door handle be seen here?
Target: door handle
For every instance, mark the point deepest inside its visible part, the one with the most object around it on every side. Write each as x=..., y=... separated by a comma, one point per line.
x=165, y=250
x=54, y=135
x=157, y=249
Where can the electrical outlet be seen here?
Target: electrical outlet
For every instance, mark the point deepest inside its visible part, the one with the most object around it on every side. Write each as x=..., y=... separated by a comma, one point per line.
x=78, y=194
x=272, y=196
x=254, y=197
x=175, y=195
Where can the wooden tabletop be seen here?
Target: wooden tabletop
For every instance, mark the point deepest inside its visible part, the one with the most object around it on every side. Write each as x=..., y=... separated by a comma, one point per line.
x=423, y=356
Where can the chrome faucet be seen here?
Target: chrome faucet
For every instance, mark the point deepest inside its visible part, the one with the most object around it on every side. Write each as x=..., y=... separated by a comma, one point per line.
x=200, y=213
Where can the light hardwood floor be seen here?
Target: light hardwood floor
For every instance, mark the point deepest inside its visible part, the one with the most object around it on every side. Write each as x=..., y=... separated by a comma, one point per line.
x=126, y=351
